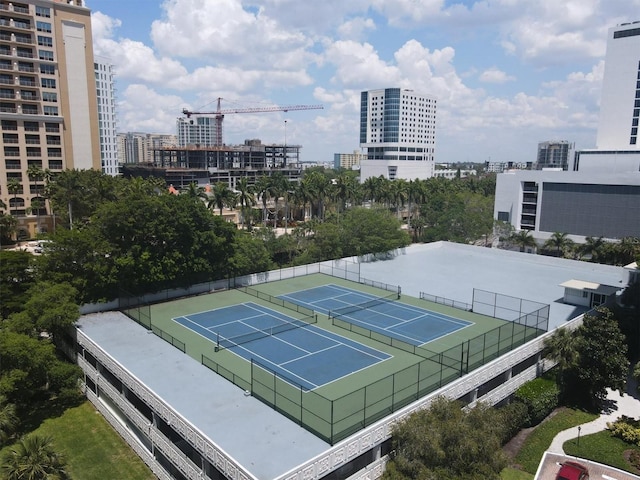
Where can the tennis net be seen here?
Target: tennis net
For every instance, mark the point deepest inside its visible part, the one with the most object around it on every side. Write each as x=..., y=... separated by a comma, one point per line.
x=342, y=311
x=224, y=343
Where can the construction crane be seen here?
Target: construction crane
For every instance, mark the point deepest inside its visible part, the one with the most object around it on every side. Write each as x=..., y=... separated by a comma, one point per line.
x=219, y=114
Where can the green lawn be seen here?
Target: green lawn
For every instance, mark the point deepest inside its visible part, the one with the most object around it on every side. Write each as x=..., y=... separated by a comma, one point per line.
x=601, y=447
x=539, y=440
x=515, y=474
x=92, y=448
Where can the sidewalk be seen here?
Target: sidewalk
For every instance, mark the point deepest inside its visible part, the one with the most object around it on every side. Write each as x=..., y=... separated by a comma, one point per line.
x=619, y=405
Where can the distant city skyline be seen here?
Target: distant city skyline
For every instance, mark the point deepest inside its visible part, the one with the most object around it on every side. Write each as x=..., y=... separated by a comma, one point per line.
x=506, y=75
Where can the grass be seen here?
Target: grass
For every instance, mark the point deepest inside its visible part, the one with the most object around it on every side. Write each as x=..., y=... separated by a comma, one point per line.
x=539, y=440
x=515, y=474
x=603, y=448
x=92, y=448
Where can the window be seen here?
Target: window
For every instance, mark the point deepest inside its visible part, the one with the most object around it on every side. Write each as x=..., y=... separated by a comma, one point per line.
x=54, y=152
x=50, y=97
x=50, y=110
x=9, y=125
x=47, y=69
x=43, y=27
x=43, y=12
x=52, y=127
x=48, y=82
x=31, y=126
x=45, y=41
x=45, y=55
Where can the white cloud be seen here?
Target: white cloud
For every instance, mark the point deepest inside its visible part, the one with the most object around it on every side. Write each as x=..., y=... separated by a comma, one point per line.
x=143, y=109
x=494, y=75
x=103, y=26
x=356, y=28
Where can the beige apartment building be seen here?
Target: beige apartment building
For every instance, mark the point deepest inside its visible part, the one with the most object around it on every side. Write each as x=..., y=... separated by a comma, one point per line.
x=48, y=104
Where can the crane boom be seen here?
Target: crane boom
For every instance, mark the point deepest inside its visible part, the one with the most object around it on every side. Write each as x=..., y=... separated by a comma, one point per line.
x=220, y=113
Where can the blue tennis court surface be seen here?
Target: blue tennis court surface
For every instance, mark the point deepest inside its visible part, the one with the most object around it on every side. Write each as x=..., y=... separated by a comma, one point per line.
x=410, y=324
x=307, y=356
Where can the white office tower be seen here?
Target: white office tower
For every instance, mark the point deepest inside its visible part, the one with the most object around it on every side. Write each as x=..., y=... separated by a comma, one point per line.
x=197, y=130
x=105, y=90
x=620, y=104
x=398, y=133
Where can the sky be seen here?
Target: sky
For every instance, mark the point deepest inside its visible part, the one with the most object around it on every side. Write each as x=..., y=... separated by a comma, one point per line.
x=507, y=74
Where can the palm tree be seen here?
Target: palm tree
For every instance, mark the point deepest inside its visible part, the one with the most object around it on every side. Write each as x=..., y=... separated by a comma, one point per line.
x=35, y=174
x=398, y=193
x=560, y=241
x=222, y=196
x=14, y=187
x=8, y=419
x=33, y=458
x=345, y=189
x=67, y=187
x=246, y=197
x=195, y=192
x=562, y=347
x=523, y=239
x=320, y=189
x=37, y=204
x=264, y=190
x=593, y=247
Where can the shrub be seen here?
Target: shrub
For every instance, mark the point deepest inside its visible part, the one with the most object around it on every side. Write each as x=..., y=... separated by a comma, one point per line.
x=514, y=416
x=627, y=429
x=541, y=398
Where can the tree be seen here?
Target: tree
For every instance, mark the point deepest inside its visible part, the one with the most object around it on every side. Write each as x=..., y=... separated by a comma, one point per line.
x=8, y=419
x=246, y=198
x=264, y=190
x=250, y=256
x=373, y=231
x=222, y=196
x=523, y=239
x=14, y=187
x=560, y=242
x=33, y=458
x=562, y=347
x=446, y=442
x=8, y=225
x=602, y=358
x=52, y=307
x=593, y=247
x=16, y=277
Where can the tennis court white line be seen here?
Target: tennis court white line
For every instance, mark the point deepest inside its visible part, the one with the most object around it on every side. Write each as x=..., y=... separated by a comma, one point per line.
x=309, y=354
x=275, y=364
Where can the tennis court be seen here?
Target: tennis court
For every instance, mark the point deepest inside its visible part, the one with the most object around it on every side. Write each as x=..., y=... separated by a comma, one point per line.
x=300, y=352
x=408, y=323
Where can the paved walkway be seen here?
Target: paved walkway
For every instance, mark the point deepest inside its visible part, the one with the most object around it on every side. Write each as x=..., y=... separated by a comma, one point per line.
x=624, y=404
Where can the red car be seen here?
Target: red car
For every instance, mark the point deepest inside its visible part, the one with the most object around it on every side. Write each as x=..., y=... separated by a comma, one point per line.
x=572, y=471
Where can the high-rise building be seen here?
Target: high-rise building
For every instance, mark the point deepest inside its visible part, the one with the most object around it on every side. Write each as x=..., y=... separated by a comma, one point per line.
x=48, y=103
x=553, y=154
x=620, y=103
x=348, y=160
x=197, y=130
x=617, y=145
x=398, y=132
x=105, y=92
x=137, y=147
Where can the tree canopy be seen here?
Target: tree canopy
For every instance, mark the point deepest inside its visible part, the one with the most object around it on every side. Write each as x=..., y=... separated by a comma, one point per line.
x=447, y=442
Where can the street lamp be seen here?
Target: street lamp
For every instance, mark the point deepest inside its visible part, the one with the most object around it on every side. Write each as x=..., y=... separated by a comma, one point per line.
x=579, y=435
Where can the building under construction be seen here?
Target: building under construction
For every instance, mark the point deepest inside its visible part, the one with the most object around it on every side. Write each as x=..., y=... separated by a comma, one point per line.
x=213, y=164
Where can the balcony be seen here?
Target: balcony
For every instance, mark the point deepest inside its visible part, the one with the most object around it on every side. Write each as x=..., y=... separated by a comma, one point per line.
x=27, y=83
x=8, y=110
x=29, y=110
x=530, y=198
x=6, y=66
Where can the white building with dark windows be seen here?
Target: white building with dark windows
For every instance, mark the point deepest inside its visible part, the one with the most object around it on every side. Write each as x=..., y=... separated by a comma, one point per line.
x=620, y=104
x=617, y=145
x=197, y=130
x=397, y=133
x=105, y=92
